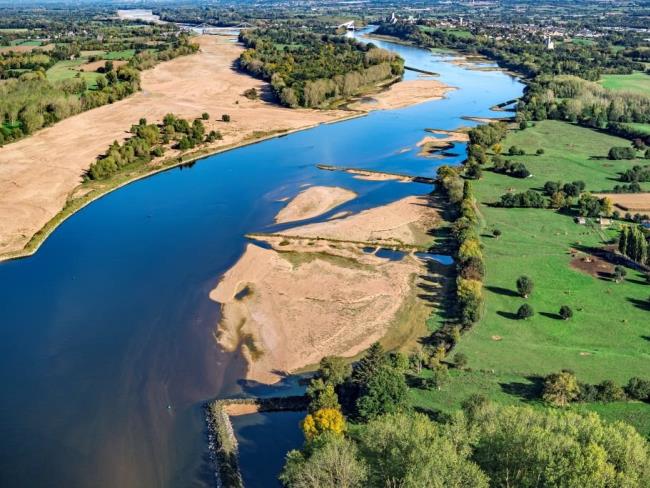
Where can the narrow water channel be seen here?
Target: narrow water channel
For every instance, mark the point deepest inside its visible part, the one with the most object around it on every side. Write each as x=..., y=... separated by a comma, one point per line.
x=107, y=344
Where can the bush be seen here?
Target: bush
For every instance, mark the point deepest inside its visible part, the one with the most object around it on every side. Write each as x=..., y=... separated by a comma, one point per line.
x=527, y=199
x=638, y=389
x=525, y=312
x=608, y=391
x=625, y=152
x=460, y=360
x=251, y=94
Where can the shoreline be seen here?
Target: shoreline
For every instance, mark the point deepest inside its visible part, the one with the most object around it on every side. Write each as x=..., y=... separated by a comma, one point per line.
x=65, y=213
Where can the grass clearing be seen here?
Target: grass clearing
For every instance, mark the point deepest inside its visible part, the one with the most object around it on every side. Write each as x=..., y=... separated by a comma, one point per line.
x=124, y=55
x=636, y=82
x=65, y=70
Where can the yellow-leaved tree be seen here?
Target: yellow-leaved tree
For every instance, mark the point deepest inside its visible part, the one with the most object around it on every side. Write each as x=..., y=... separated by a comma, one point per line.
x=323, y=420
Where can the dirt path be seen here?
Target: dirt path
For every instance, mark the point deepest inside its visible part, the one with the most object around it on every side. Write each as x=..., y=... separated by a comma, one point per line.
x=38, y=173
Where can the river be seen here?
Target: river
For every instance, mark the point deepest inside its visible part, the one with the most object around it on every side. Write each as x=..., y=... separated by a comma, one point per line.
x=107, y=344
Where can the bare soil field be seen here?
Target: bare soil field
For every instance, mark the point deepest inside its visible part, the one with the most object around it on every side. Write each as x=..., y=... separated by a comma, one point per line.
x=629, y=202
x=314, y=201
x=95, y=65
x=306, y=298
x=38, y=173
x=26, y=48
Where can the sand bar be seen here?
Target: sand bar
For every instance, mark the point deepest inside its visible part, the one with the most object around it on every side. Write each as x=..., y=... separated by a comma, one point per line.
x=404, y=94
x=314, y=201
x=289, y=306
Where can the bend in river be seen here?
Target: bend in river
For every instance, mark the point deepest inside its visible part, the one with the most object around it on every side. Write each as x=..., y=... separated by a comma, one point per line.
x=108, y=349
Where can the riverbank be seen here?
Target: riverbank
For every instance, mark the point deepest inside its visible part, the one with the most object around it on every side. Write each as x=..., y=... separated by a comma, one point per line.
x=40, y=174
x=326, y=289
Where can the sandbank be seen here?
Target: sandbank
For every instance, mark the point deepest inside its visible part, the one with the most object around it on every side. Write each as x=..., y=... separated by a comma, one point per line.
x=309, y=297
x=403, y=94
x=314, y=201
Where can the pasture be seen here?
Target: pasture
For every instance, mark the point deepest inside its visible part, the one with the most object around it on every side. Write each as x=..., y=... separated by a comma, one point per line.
x=636, y=82
x=607, y=338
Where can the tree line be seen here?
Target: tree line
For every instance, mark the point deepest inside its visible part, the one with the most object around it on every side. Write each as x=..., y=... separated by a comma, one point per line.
x=309, y=70
x=384, y=443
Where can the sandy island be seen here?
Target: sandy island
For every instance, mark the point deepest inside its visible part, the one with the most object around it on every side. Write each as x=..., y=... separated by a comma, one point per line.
x=403, y=94
x=40, y=173
x=314, y=201
x=308, y=296
x=430, y=146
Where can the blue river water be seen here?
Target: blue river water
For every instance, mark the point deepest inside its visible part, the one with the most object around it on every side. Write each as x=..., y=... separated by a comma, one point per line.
x=107, y=347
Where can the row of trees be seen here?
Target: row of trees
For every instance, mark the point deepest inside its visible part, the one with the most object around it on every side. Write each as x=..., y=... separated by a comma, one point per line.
x=309, y=70
x=636, y=174
x=561, y=389
x=633, y=243
x=576, y=100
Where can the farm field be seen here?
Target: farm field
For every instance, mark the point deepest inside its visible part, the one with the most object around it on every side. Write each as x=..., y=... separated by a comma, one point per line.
x=637, y=82
x=607, y=338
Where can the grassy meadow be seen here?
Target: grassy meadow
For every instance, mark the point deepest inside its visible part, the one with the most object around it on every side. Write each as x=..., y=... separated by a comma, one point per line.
x=636, y=82
x=608, y=336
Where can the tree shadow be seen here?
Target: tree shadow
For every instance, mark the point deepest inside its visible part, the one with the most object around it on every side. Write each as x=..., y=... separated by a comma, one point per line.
x=642, y=304
x=502, y=291
x=525, y=391
x=551, y=315
x=507, y=315
x=646, y=337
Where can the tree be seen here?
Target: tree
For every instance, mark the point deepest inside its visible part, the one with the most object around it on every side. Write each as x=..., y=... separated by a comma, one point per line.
x=205, y=116
x=334, y=370
x=565, y=312
x=385, y=392
x=372, y=361
x=334, y=462
x=525, y=286
x=439, y=377
x=322, y=395
x=619, y=273
x=225, y=118
x=411, y=451
x=496, y=233
x=325, y=420
x=525, y=312
x=560, y=388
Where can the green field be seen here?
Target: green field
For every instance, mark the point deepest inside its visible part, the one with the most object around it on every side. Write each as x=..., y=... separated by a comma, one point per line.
x=608, y=337
x=64, y=70
x=125, y=55
x=465, y=34
x=642, y=127
x=637, y=82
